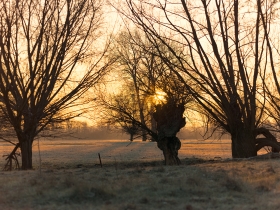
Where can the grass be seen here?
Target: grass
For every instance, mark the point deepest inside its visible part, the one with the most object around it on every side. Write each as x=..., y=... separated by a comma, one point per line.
x=247, y=184
x=126, y=183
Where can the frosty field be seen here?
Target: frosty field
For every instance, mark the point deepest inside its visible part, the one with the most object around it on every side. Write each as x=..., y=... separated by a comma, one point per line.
x=65, y=153
x=133, y=177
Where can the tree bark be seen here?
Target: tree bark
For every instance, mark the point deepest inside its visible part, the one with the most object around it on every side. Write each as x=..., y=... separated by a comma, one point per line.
x=170, y=147
x=243, y=144
x=26, y=154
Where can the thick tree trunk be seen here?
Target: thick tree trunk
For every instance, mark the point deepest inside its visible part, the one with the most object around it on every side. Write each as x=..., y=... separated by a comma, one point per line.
x=243, y=144
x=170, y=147
x=170, y=120
x=26, y=154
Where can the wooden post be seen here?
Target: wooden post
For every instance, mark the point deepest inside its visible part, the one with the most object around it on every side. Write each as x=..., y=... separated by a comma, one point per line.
x=100, y=160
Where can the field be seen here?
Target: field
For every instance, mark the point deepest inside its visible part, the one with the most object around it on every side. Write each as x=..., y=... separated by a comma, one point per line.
x=133, y=176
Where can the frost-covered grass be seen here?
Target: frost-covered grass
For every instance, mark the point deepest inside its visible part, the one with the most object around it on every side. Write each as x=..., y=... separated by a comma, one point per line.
x=71, y=179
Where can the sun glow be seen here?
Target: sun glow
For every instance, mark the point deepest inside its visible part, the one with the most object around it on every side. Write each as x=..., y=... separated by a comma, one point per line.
x=159, y=97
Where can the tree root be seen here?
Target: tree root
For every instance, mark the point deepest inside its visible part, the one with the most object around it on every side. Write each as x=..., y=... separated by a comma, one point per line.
x=268, y=141
x=10, y=158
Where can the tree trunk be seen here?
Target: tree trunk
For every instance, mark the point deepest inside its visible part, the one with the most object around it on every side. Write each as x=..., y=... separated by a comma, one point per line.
x=170, y=147
x=170, y=120
x=153, y=126
x=26, y=154
x=243, y=144
x=144, y=135
x=131, y=137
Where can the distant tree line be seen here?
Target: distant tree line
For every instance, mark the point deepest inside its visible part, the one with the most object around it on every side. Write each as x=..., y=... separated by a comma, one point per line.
x=80, y=130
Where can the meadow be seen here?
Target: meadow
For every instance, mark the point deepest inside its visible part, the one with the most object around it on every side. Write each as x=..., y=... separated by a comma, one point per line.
x=67, y=175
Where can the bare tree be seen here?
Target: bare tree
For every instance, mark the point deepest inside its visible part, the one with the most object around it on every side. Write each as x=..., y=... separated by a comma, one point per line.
x=137, y=109
x=135, y=67
x=269, y=18
x=49, y=59
x=138, y=70
x=228, y=47
x=120, y=111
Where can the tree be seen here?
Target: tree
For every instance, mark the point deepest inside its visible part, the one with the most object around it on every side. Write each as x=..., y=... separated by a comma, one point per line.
x=269, y=18
x=169, y=117
x=48, y=60
x=137, y=69
x=137, y=108
x=228, y=45
x=118, y=107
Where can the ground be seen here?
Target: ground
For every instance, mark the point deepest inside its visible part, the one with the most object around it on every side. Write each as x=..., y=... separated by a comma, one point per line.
x=133, y=176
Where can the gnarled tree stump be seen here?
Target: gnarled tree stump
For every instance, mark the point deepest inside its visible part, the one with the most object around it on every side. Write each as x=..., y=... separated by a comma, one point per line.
x=170, y=120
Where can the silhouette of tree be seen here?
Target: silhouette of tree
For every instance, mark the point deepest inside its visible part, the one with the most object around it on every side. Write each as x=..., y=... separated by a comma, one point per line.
x=145, y=77
x=48, y=60
x=228, y=44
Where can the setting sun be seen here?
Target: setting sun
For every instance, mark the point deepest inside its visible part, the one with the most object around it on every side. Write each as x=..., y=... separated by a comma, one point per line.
x=159, y=97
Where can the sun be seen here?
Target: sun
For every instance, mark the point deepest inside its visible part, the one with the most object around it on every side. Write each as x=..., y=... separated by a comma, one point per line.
x=159, y=97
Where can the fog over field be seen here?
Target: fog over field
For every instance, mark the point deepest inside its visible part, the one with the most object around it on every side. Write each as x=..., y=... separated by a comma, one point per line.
x=86, y=151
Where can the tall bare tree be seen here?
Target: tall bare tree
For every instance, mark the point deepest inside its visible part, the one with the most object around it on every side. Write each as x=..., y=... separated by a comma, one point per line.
x=138, y=71
x=48, y=60
x=228, y=45
x=137, y=109
x=135, y=67
x=269, y=18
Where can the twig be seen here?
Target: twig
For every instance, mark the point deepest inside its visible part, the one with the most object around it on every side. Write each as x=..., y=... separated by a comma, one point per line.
x=10, y=157
x=6, y=140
